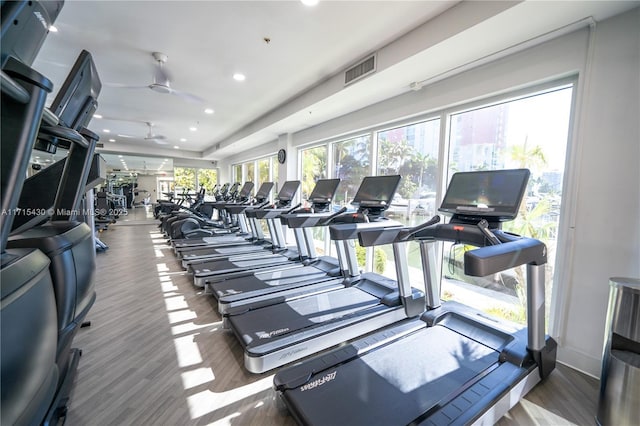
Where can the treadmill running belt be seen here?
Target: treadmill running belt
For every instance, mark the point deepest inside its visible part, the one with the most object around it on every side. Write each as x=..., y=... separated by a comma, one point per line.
x=269, y=322
x=394, y=384
x=264, y=280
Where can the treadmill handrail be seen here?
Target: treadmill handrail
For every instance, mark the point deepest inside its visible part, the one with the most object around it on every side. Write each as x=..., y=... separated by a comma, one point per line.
x=374, y=237
x=274, y=213
x=310, y=220
x=496, y=258
x=349, y=231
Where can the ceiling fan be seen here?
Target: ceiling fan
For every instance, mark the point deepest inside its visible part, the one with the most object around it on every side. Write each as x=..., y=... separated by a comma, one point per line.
x=159, y=139
x=161, y=82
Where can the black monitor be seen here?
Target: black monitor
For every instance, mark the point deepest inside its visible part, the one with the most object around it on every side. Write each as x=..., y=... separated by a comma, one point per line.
x=76, y=100
x=288, y=190
x=376, y=192
x=245, y=190
x=263, y=191
x=234, y=188
x=324, y=190
x=494, y=195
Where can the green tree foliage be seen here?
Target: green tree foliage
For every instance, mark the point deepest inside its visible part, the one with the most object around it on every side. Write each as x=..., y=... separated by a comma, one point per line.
x=418, y=170
x=379, y=258
x=208, y=178
x=351, y=165
x=314, y=167
x=185, y=178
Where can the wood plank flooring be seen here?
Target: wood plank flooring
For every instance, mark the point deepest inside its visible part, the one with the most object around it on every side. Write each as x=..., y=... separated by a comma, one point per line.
x=156, y=353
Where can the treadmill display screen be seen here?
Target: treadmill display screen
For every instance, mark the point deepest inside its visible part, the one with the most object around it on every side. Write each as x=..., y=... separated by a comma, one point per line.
x=234, y=188
x=76, y=101
x=246, y=190
x=288, y=190
x=377, y=191
x=264, y=190
x=496, y=194
x=324, y=190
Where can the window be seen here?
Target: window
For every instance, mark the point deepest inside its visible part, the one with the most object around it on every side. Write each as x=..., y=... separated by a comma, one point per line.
x=412, y=152
x=250, y=172
x=236, y=173
x=184, y=178
x=351, y=163
x=313, y=163
x=314, y=167
x=207, y=178
x=529, y=132
x=267, y=171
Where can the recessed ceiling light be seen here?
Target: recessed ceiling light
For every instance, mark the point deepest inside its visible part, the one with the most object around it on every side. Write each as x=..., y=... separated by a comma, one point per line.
x=112, y=140
x=239, y=77
x=97, y=116
x=53, y=29
x=193, y=129
x=183, y=140
x=176, y=147
x=119, y=156
x=106, y=130
x=309, y=2
x=209, y=111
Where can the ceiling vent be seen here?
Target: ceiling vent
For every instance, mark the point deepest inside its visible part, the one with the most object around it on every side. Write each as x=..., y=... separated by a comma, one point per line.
x=360, y=70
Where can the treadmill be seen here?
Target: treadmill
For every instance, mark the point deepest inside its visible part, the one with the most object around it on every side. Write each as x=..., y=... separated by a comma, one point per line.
x=454, y=365
x=211, y=270
x=262, y=287
x=229, y=244
x=260, y=200
x=277, y=334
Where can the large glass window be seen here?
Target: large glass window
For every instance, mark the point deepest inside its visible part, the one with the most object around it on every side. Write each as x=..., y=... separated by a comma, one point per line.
x=314, y=166
x=207, y=178
x=351, y=163
x=412, y=152
x=236, y=173
x=529, y=132
x=313, y=163
x=266, y=168
x=250, y=172
x=264, y=171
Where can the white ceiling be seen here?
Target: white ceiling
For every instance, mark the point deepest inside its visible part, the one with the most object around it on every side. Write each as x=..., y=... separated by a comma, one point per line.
x=292, y=82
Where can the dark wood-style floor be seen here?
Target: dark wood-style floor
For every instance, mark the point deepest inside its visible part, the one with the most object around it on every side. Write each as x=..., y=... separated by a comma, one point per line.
x=156, y=353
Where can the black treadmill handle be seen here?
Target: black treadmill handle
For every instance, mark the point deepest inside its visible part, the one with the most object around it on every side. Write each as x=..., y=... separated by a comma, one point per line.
x=294, y=208
x=484, y=228
x=406, y=234
x=262, y=206
x=328, y=219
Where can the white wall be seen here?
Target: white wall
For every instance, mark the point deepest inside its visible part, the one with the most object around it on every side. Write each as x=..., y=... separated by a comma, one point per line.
x=600, y=230
x=604, y=238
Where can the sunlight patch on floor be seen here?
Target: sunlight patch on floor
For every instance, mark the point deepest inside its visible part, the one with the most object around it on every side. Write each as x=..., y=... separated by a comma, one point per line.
x=187, y=351
x=181, y=316
x=186, y=331
x=191, y=327
x=175, y=303
x=196, y=377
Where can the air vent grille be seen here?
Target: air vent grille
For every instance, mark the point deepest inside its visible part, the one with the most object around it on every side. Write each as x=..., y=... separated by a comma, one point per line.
x=360, y=70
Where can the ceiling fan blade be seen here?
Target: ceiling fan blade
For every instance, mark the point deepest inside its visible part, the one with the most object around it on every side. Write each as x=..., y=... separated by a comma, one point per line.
x=156, y=137
x=124, y=86
x=126, y=136
x=188, y=96
x=160, y=142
